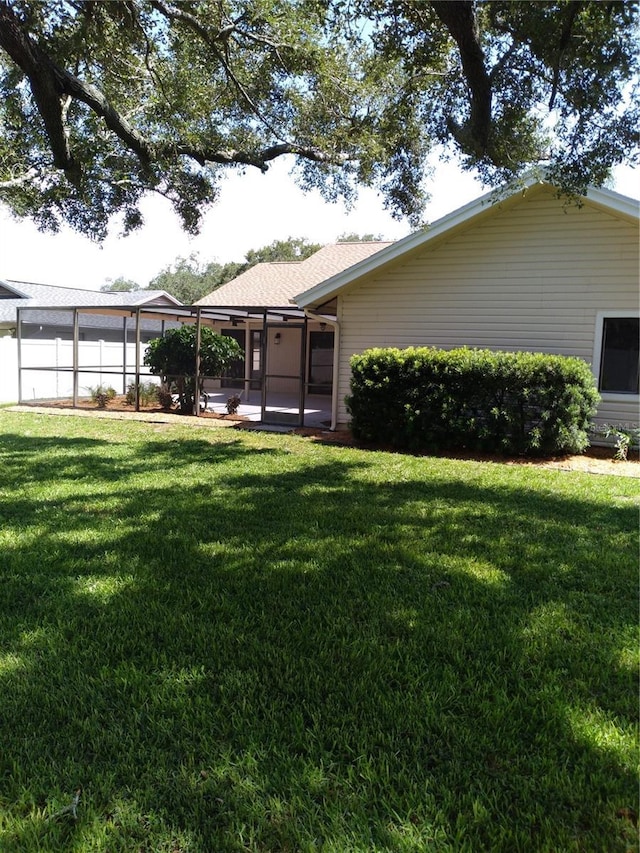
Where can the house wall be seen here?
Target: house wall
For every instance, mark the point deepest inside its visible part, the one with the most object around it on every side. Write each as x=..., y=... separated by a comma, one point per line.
x=283, y=358
x=529, y=277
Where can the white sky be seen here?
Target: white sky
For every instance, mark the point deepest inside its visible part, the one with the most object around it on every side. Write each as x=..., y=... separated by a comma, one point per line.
x=253, y=211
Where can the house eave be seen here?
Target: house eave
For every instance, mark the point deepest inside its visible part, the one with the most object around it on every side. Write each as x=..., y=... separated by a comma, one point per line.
x=8, y=285
x=613, y=202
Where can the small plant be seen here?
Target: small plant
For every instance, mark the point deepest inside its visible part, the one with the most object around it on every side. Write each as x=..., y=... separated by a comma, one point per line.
x=101, y=395
x=625, y=438
x=147, y=393
x=232, y=404
x=165, y=397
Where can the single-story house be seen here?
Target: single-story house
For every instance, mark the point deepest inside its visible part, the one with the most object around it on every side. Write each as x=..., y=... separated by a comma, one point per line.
x=527, y=271
x=48, y=325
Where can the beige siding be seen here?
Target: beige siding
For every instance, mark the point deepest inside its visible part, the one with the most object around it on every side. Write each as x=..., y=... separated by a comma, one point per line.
x=529, y=277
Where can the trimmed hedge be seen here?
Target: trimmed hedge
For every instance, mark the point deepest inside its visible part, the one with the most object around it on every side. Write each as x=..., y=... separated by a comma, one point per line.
x=516, y=403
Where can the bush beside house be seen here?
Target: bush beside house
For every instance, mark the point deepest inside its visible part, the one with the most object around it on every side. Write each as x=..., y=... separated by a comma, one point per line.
x=519, y=403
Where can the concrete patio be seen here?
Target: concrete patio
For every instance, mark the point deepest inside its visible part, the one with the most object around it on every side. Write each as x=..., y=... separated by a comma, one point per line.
x=317, y=411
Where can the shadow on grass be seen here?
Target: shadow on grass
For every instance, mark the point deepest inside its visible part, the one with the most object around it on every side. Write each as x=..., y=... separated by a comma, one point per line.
x=55, y=460
x=288, y=654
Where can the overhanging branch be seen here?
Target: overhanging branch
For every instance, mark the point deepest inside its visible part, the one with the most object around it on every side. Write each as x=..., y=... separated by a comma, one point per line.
x=53, y=87
x=260, y=159
x=459, y=19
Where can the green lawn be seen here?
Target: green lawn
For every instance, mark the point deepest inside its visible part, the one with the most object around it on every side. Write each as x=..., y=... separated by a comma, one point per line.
x=233, y=641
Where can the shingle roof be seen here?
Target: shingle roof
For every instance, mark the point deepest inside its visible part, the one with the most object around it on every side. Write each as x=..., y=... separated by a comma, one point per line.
x=31, y=295
x=274, y=284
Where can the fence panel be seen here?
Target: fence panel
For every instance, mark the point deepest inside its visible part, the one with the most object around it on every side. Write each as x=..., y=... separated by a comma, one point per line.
x=48, y=368
x=8, y=370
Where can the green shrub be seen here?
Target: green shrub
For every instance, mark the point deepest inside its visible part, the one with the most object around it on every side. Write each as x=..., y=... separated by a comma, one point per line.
x=498, y=402
x=173, y=357
x=165, y=397
x=101, y=395
x=147, y=393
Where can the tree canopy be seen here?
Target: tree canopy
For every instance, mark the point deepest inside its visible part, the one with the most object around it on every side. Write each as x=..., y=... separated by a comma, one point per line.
x=352, y=237
x=120, y=285
x=101, y=103
x=189, y=280
x=291, y=249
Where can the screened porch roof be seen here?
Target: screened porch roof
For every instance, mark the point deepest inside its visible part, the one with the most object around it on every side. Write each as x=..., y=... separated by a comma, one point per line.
x=188, y=313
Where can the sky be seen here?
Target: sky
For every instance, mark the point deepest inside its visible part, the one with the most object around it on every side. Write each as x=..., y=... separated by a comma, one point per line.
x=253, y=210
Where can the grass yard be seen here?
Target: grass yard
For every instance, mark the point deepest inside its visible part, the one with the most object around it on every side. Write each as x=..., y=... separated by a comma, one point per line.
x=232, y=641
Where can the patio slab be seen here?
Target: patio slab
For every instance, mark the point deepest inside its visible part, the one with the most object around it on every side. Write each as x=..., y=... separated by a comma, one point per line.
x=317, y=411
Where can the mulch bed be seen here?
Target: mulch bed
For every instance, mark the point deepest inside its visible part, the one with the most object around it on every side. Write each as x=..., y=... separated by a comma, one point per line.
x=119, y=404
x=596, y=460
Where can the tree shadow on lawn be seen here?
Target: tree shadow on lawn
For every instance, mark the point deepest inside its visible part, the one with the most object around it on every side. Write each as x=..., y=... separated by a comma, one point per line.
x=310, y=658
x=52, y=459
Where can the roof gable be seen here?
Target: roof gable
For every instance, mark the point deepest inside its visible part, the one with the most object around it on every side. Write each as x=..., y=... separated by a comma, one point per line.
x=9, y=291
x=50, y=295
x=144, y=297
x=449, y=225
x=26, y=294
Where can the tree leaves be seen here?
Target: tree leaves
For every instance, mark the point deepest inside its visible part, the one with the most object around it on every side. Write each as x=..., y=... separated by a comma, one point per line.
x=101, y=103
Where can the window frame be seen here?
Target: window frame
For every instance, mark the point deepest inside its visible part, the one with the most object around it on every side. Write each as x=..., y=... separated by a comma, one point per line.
x=601, y=316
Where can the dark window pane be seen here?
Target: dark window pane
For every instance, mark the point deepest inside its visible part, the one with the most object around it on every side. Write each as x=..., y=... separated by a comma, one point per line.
x=320, y=362
x=235, y=371
x=620, y=351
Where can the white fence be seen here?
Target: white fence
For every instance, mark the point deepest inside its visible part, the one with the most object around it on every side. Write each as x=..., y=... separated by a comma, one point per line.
x=8, y=370
x=100, y=363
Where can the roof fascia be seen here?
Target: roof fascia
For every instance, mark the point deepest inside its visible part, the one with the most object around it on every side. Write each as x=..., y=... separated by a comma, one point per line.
x=613, y=202
x=180, y=313
x=146, y=296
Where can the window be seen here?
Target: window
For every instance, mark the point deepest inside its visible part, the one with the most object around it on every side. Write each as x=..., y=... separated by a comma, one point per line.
x=619, y=359
x=320, y=362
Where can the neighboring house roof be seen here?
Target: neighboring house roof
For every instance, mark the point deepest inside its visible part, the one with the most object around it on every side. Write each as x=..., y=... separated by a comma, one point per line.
x=486, y=205
x=26, y=294
x=274, y=284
